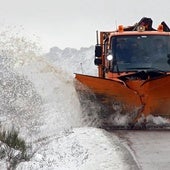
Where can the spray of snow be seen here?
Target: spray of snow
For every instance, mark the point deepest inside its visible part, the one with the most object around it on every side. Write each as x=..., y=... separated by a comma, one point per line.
x=38, y=98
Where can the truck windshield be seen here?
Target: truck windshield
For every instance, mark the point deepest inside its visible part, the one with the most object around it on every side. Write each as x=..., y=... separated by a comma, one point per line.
x=141, y=52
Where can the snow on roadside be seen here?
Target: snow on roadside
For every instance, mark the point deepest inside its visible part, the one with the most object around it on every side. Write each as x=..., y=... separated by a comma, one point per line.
x=81, y=149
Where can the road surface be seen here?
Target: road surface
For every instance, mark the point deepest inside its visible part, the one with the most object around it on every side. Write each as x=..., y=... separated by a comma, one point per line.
x=151, y=149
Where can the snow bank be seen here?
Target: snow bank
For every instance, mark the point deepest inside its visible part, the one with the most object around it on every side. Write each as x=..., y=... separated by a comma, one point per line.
x=81, y=149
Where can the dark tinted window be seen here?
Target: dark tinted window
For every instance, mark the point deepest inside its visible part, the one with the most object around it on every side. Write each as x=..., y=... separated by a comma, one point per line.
x=141, y=52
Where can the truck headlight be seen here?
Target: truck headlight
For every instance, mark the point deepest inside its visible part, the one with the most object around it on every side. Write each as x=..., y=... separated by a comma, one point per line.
x=109, y=57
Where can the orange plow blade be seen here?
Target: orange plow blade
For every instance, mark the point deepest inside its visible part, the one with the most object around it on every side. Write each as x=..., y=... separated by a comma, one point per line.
x=110, y=89
x=138, y=98
x=156, y=97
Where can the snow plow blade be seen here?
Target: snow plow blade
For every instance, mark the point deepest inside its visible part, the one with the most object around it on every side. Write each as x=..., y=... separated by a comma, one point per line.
x=108, y=91
x=137, y=98
x=156, y=96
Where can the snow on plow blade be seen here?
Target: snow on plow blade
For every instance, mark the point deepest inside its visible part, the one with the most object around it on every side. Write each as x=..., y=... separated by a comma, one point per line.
x=137, y=98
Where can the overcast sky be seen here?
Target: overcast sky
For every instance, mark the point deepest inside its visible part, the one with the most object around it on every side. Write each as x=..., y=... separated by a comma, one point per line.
x=73, y=23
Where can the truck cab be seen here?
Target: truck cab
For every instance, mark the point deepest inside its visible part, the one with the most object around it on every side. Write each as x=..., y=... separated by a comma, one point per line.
x=132, y=50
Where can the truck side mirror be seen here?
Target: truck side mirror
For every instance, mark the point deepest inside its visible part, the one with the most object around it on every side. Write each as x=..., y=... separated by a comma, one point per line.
x=98, y=55
x=97, y=61
x=98, y=51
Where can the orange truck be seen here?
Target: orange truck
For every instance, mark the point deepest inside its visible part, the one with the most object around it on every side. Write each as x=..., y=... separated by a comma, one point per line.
x=133, y=71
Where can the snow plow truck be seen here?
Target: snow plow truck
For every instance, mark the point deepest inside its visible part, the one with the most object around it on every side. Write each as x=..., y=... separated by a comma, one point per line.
x=133, y=72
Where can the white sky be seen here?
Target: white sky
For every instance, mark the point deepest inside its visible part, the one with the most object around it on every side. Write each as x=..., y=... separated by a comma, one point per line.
x=73, y=23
